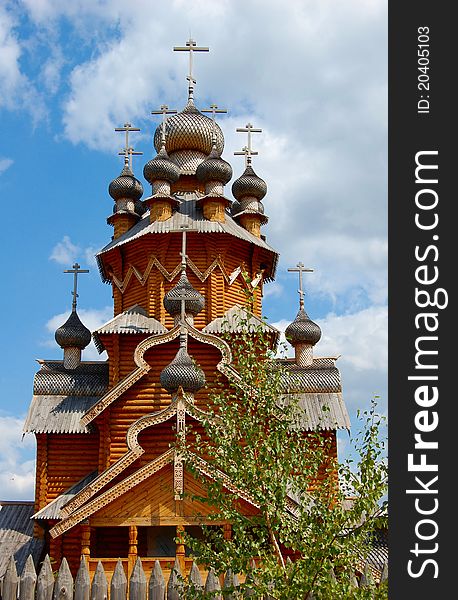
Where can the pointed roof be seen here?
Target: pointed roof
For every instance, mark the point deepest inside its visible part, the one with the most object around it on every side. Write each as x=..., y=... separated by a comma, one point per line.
x=190, y=214
x=133, y=320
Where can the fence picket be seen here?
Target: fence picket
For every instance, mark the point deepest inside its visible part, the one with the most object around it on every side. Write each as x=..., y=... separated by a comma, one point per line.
x=10, y=581
x=137, y=582
x=231, y=582
x=118, y=586
x=99, y=587
x=195, y=578
x=82, y=582
x=175, y=586
x=28, y=580
x=212, y=584
x=63, y=587
x=156, y=588
x=45, y=581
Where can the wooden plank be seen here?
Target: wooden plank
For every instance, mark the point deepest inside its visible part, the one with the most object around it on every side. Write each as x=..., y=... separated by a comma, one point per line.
x=10, y=581
x=82, y=582
x=63, y=587
x=45, y=581
x=175, y=583
x=99, y=587
x=138, y=583
x=28, y=580
x=156, y=588
x=118, y=587
x=212, y=585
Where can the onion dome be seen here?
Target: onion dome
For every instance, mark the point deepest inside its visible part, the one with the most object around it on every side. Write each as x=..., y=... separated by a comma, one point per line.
x=182, y=371
x=303, y=330
x=189, y=137
x=161, y=168
x=249, y=184
x=193, y=300
x=73, y=334
x=125, y=186
x=189, y=130
x=214, y=168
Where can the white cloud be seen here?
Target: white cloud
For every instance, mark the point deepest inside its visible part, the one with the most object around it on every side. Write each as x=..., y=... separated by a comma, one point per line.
x=65, y=252
x=360, y=339
x=17, y=466
x=16, y=90
x=5, y=163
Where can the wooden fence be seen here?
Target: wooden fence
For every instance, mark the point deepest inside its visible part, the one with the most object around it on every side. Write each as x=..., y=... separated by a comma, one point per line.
x=61, y=586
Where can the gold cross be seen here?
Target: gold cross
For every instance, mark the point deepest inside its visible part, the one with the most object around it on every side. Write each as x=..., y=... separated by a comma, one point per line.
x=300, y=269
x=128, y=151
x=190, y=47
x=76, y=271
x=247, y=150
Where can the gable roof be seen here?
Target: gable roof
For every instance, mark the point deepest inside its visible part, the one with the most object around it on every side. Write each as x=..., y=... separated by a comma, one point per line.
x=131, y=321
x=58, y=414
x=237, y=319
x=16, y=535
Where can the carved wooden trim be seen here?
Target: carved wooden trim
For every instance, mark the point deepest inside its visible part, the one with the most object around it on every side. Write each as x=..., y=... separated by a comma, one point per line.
x=143, y=367
x=122, y=284
x=125, y=383
x=113, y=493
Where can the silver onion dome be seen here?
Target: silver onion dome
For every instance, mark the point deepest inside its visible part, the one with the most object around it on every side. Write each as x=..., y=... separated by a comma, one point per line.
x=303, y=330
x=182, y=371
x=73, y=334
x=194, y=301
x=249, y=184
x=125, y=186
x=214, y=168
x=189, y=130
x=161, y=168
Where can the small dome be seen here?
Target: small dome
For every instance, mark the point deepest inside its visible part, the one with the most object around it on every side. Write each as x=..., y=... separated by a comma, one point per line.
x=125, y=186
x=303, y=330
x=161, y=168
x=182, y=371
x=189, y=130
x=73, y=334
x=249, y=184
x=194, y=301
x=214, y=168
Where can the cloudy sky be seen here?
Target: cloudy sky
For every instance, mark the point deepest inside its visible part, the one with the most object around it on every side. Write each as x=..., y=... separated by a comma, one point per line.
x=311, y=74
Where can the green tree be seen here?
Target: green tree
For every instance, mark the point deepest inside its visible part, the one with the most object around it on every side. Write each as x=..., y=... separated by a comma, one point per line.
x=256, y=449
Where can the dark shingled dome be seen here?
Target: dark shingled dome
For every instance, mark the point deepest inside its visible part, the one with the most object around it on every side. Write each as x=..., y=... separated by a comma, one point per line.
x=125, y=186
x=249, y=184
x=194, y=301
x=182, y=371
x=161, y=168
x=189, y=130
x=73, y=334
x=303, y=330
x=214, y=168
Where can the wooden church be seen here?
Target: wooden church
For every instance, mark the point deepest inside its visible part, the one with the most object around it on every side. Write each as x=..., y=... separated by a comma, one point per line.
x=109, y=484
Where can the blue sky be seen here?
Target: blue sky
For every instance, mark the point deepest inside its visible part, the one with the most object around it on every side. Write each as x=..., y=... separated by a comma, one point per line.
x=312, y=75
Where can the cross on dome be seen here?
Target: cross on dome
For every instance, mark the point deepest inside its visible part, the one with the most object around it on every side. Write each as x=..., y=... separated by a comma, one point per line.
x=300, y=268
x=128, y=151
x=247, y=150
x=214, y=110
x=190, y=47
x=76, y=271
x=164, y=111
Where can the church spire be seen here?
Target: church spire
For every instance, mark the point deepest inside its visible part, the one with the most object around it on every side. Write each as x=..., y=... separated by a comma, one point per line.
x=302, y=333
x=190, y=47
x=73, y=336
